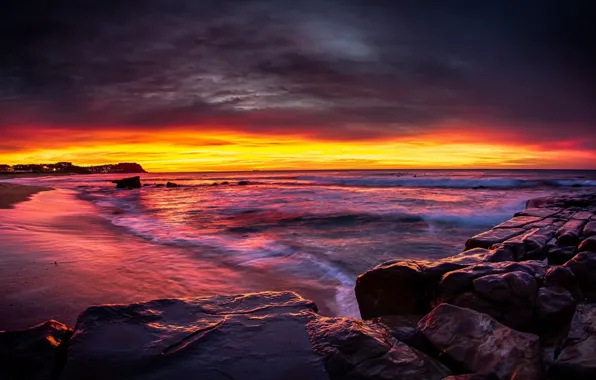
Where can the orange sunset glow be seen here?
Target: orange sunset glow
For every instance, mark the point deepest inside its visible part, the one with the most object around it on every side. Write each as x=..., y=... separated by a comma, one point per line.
x=215, y=151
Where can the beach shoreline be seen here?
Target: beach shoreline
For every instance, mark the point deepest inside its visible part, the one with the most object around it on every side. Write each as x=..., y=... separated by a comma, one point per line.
x=11, y=193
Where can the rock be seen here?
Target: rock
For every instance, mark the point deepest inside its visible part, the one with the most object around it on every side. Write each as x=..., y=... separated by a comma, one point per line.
x=589, y=229
x=577, y=359
x=583, y=266
x=538, y=212
x=269, y=335
x=404, y=328
x=354, y=349
x=402, y=287
x=243, y=183
x=461, y=280
x=554, y=307
x=582, y=215
x=218, y=337
x=569, y=233
x=588, y=244
x=491, y=237
x=560, y=255
x=159, y=185
x=130, y=183
x=564, y=278
x=407, y=286
x=519, y=221
x=499, y=253
x=215, y=184
x=480, y=344
x=172, y=184
x=512, y=296
x=225, y=183
x=535, y=243
x=37, y=353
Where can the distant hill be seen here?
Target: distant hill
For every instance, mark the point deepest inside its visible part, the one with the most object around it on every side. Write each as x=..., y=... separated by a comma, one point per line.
x=68, y=167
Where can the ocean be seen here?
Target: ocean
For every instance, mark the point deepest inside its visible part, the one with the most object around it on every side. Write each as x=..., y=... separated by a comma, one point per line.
x=309, y=231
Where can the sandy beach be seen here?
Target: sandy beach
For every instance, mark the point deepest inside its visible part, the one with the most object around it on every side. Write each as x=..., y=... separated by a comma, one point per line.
x=11, y=194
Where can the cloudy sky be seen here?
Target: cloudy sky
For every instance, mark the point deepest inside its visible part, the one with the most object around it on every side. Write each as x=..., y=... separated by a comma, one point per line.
x=223, y=84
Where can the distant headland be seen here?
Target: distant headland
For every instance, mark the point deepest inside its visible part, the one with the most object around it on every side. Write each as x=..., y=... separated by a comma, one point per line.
x=69, y=168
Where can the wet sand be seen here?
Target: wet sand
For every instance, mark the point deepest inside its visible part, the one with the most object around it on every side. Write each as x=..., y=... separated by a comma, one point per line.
x=59, y=256
x=11, y=194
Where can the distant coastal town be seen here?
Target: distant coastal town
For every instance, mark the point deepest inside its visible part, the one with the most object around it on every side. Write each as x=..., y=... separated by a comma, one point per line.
x=68, y=167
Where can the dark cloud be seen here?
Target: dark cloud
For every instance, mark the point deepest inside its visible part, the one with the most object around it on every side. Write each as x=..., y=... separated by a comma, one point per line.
x=329, y=69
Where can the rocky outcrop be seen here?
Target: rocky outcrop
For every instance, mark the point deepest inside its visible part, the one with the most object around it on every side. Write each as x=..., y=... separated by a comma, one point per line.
x=489, y=238
x=128, y=183
x=583, y=266
x=480, y=344
x=354, y=349
x=211, y=338
x=577, y=359
x=270, y=335
x=407, y=286
x=37, y=353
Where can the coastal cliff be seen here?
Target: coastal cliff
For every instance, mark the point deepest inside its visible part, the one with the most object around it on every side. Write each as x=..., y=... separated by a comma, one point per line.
x=518, y=303
x=69, y=168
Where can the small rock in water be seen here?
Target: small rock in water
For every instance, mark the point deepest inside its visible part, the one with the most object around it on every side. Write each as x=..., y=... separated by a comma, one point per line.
x=128, y=183
x=242, y=183
x=172, y=184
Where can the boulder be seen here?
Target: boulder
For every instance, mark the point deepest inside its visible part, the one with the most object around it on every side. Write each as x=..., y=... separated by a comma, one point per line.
x=498, y=253
x=37, y=353
x=570, y=232
x=225, y=183
x=407, y=286
x=560, y=255
x=589, y=229
x=563, y=277
x=128, y=183
x=355, y=349
x=172, y=184
x=461, y=280
x=554, y=307
x=480, y=344
x=583, y=266
x=243, y=183
x=491, y=237
x=402, y=287
x=511, y=298
x=588, y=244
x=577, y=359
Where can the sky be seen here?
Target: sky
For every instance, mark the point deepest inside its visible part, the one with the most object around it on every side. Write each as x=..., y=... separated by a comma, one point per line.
x=190, y=85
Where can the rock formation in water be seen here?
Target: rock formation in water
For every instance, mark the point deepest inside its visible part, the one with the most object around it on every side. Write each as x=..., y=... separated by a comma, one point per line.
x=128, y=183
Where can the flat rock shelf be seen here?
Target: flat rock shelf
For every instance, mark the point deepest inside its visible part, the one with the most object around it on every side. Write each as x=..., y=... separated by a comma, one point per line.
x=518, y=303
